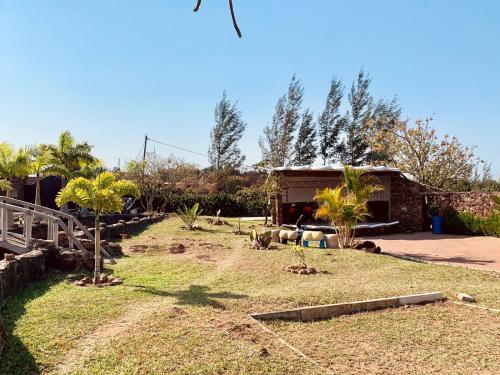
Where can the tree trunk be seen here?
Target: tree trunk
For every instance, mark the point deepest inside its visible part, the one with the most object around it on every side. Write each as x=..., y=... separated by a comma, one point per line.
x=64, y=208
x=97, y=256
x=38, y=199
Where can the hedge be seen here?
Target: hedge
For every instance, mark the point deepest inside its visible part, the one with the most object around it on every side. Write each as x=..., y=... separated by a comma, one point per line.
x=466, y=223
x=231, y=205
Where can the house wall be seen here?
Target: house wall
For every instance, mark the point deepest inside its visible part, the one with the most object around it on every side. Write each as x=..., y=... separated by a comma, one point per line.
x=404, y=199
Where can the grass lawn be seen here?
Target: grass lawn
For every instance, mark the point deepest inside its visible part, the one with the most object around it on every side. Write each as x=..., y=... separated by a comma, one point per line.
x=187, y=313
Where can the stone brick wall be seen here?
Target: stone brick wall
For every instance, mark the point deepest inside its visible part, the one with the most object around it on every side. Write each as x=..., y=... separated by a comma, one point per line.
x=475, y=202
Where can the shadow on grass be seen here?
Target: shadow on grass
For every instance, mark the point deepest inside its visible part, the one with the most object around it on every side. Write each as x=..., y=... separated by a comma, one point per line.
x=16, y=358
x=196, y=295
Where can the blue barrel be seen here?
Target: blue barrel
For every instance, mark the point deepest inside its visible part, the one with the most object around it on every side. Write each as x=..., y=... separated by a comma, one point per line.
x=437, y=225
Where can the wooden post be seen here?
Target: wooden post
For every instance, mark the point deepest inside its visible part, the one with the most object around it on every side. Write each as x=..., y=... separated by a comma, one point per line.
x=28, y=226
x=70, y=238
x=50, y=228
x=55, y=232
x=4, y=223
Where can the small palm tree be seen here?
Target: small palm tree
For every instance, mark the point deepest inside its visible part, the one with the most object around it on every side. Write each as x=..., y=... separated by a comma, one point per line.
x=102, y=195
x=5, y=186
x=12, y=164
x=345, y=206
x=39, y=165
x=189, y=215
x=66, y=156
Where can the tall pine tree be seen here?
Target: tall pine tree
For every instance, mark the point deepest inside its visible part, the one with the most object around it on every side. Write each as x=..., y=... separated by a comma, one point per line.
x=277, y=142
x=305, y=145
x=330, y=124
x=354, y=149
x=227, y=131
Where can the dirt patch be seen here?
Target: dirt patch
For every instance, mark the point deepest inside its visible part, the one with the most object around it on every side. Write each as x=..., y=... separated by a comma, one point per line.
x=176, y=312
x=205, y=258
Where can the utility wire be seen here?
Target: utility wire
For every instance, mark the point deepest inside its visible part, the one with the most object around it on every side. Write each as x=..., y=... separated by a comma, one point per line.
x=178, y=148
x=187, y=150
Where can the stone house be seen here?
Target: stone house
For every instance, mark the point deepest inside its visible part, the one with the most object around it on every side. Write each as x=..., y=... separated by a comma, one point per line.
x=402, y=201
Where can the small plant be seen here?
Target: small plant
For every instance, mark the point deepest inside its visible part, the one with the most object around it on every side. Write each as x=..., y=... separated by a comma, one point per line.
x=261, y=241
x=300, y=267
x=238, y=231
x=189, y=215
x=300, y=254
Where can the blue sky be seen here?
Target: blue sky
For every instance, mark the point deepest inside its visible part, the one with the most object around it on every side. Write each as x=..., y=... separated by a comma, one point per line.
x=111, y=71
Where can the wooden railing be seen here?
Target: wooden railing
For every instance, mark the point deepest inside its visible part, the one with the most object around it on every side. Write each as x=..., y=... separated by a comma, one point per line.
x=20, y=243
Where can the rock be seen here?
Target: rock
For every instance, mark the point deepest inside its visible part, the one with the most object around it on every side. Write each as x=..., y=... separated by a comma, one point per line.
x=116, y=281
x=303, y=271
x=177, y=249
x=9, y=257
x=80, y=283
x=465, y=297
x=138, y=248
x=103, y=278
x=263, y=352
x=86, y=280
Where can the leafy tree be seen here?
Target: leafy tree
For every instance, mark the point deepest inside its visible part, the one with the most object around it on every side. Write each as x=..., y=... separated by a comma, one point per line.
x=346, y=205
x=276, y=143
x=354, y=148
x=417, y=150
x=156, y=178
x=305, y=145
x=13, y=163
x=330, y=123
x=102, y=195
x=228, y=130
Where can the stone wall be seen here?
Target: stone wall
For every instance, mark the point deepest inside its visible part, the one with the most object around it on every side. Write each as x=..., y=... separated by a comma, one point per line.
x=475, y=202
x=17, y=272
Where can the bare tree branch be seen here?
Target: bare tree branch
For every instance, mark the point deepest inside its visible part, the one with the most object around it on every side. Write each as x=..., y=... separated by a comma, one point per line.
x=233, y=16
x=235, y=24
x=197, y=6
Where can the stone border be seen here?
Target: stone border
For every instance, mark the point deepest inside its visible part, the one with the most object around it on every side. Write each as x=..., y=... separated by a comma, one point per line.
x=312, y=313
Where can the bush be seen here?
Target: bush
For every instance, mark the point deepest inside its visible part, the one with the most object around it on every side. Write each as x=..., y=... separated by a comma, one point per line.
x=243, y=203
x=466, y=223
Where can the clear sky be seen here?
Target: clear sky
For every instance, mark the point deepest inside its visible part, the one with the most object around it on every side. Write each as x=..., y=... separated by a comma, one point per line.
x=111, y=71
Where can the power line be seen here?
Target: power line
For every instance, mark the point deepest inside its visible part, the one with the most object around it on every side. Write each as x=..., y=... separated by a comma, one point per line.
x=178, y=148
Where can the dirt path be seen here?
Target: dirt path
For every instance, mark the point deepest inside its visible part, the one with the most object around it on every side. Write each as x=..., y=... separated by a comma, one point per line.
x=135, y=314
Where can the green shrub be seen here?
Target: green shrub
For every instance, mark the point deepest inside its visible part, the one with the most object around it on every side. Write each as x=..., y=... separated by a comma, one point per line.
x=231, y=205
x=189, y=215
x=466, y=223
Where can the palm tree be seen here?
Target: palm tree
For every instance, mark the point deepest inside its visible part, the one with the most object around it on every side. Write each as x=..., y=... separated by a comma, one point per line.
x=5, y=185
x=39, y=165
x=90, y=169
x=346, y=205
x=67, y=156
x=12, y=164
x=102, y=195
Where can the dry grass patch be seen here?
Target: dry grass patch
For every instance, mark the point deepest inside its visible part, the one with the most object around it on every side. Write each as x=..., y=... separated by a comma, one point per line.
x=436, y=338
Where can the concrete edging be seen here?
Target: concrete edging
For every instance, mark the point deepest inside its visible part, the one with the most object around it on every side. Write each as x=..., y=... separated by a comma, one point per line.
x=306, y=314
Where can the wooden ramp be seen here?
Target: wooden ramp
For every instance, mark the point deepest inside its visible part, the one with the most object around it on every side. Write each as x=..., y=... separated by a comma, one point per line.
x=28, y=212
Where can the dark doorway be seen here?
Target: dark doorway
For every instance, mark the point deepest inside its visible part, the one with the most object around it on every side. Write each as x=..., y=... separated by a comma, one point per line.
x=379, y=211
